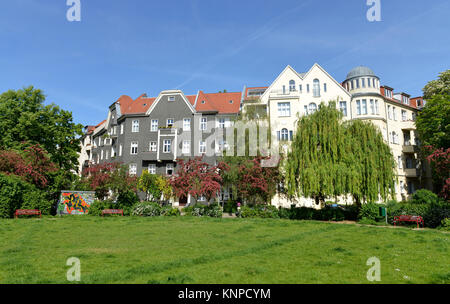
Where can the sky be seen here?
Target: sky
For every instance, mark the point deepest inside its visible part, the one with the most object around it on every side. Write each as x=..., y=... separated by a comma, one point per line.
x=131, y=47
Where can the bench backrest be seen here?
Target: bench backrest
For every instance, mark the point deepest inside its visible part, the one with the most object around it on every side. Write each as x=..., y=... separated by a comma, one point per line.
x=409, y=218
x=27, y=212
x=112, y=211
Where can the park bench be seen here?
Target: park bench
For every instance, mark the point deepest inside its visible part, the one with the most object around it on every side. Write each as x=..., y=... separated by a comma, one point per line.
x=409, y=218
x=27, y=212
x=112, y=211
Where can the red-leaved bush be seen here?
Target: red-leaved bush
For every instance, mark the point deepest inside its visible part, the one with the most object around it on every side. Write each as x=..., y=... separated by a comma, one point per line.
x=440, y=162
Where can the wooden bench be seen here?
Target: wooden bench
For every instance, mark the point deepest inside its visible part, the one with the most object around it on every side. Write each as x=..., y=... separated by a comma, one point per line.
x=27, y=212
x=409, y=218
x=112, y=211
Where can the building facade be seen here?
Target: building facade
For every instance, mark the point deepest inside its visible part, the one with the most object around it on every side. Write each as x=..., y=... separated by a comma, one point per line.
x=151, y=133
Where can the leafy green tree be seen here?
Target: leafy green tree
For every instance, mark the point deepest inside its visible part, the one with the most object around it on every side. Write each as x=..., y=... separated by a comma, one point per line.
x=441, y=86
x=433, y=122
x=148, y=183
x=330, y=158
x=25, y=118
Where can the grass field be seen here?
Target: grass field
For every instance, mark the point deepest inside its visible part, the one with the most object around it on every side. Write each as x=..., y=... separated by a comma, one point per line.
x=206, y=250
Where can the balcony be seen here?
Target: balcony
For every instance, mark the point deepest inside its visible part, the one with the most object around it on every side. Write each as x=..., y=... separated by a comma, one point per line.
x=412, y=172
x=285, y=93
x=408, y=148
x=408, y=125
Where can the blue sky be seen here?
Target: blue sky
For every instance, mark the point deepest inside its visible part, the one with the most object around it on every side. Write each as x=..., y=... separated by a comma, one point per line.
x=142, y=46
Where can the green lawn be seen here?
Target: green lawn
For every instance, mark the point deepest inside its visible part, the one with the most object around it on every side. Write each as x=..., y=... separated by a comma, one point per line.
x=206, y=250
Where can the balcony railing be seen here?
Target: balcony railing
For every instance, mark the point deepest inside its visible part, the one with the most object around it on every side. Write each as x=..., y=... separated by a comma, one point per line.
x=408, y=148
x=412, y=172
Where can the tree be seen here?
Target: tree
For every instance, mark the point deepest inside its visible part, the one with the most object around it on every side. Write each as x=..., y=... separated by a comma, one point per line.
x=197, y=178
x=433, y=122
x=154, y=186
x=441, y=86
x=440, y=163
x=32, y=165
x=25, y=118
x=330, y=158
x=110, y=178
x=257, y=184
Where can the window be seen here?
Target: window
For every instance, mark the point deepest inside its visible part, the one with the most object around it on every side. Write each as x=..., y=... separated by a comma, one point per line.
x=316, y=88
x=343, y=107
x=284, y=109
x=413, y=116
x=169, y=169
x=373, y=82
x=120, y=150
x=186, y=147
x=169, y=123
x=307, y=88
x=357, y=83
x=221, y=123
x=368, y=82
x=107, y=154
x=411, y=188
x=364, y=107
x=284, y=89
x=202, y=147
x=203, y=123
x=292, y=86
x=372, y=107
x=400, y=163
x=300, y=88
x=377, y=108
x=404, y=115
x=171, y=98
x=363, y=82
x=153, y=146
x=133, y=169
x=389, y=112
x=202, y=198
x=358, y=107
x=154, y=125
x=186, y=124
x=312, y=108
x=352, y=85
x=305, y=108
x=152, y=168
x=101, y=157
x=325, y=87
x=409, y=163
x=167, y=147
x=134, y=148
x=135, y=126
x=284, y=134
x=394, y=113
x=121, y=129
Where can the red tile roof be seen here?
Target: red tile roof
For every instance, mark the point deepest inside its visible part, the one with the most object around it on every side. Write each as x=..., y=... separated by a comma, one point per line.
x=412, y=103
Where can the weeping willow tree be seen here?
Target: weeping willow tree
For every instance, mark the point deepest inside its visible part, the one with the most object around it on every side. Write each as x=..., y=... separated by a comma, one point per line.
x=330, y=158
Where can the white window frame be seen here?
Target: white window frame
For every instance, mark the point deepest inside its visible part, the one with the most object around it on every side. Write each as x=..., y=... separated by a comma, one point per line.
x=153, y=146
x=186, y=124
x=202, y=147
x=167, y=146
x=186, y=147
x=134, y=145
x=135, y=126
x=284, y=109
x=203, y=123
x=152, y=168
x=170, y=124
x=154, y=125
x=132, y=170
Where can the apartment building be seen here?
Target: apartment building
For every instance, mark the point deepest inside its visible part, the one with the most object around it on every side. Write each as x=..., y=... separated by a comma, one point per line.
x=361, y=96
x=152, y=133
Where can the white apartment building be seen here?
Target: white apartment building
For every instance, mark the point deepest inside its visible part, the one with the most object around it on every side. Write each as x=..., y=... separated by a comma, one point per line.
x=360, y=96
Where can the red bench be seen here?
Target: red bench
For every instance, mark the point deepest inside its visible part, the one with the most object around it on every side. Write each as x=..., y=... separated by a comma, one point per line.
x=112, y=211
x=27, y=212
x=409, y=218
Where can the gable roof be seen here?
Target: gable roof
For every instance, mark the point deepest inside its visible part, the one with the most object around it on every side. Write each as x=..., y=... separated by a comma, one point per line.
x=222, y=103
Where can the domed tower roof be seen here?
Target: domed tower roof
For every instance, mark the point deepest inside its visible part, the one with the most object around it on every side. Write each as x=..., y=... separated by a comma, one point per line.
x=360, y=71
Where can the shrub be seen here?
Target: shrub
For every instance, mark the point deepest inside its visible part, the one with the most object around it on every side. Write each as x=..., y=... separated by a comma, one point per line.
x=433, y=214
x=230, y=207
x=16, y=193
x=169, y=211
x=147, y=209
x=445, y=224
x=370, y=211
x=204, y=210
x=424, y=196
x=97, y=207
x=259, y=211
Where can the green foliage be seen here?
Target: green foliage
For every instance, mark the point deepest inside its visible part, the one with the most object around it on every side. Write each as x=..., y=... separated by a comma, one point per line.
x=424, y=196
x=331, y=158
x=441, y=86
x=148, y=183
x=258, y=211
x=230, y=206
x=370, y=211
x=445, y=224
x=18, y=194
x=213, y=210
x=98, y=206
x=24, y=117
x=433, y=213
x=154, y=209
x=433, y=122
x=327, y=213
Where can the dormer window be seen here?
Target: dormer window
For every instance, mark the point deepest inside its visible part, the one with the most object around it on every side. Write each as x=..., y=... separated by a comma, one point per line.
x=291, y=86
x=171, y=98
x=203, y=102
x=231, y=101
